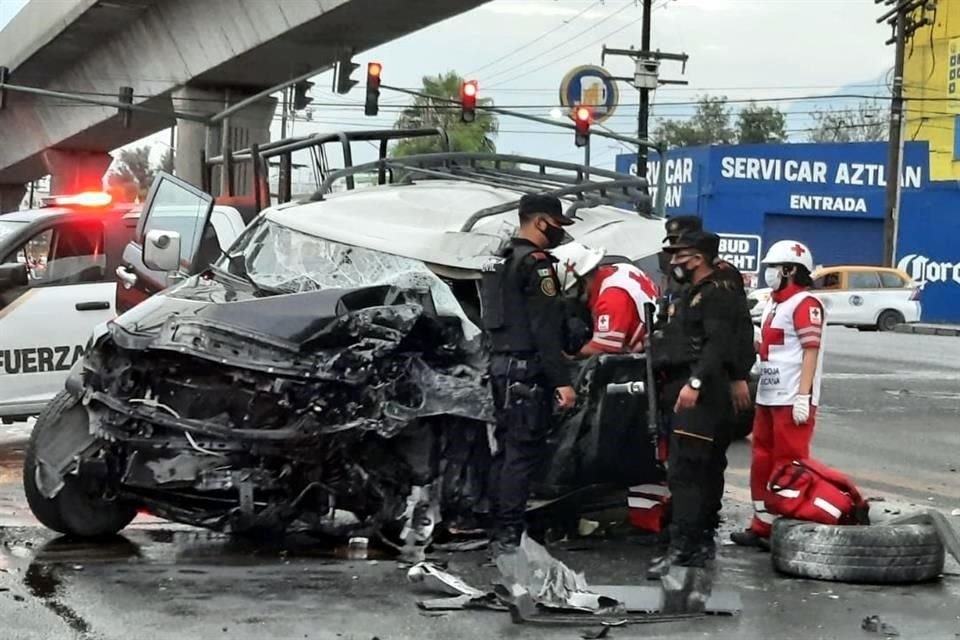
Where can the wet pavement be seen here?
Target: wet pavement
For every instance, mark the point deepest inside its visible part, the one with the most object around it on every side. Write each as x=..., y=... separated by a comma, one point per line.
x=890, y=420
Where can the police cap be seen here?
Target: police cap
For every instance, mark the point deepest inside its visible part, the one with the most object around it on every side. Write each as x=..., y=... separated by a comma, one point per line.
x=537, y=203
x=679, y=225
x=700, y=241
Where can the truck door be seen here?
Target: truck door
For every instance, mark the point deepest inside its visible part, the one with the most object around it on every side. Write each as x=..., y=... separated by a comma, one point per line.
x=172, y=205
x=45, y=324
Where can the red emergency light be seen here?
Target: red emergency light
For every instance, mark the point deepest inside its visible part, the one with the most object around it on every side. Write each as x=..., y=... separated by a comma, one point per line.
x=85, y=199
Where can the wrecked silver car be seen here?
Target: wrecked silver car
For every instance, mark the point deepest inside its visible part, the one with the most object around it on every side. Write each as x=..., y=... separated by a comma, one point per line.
x=327, y=376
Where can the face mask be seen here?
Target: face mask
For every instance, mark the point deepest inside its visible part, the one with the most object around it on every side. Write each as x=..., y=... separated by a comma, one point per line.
x=774, y=278
x=682, y=273
x=554, y=236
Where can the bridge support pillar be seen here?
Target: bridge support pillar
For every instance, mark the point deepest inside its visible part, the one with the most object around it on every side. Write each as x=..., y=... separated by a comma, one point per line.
x=76, y=171
x=11, y=195
x=244, y=128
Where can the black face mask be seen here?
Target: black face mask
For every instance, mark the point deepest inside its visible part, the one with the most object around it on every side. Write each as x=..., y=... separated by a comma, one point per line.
x=554, y=236
x=682, y=273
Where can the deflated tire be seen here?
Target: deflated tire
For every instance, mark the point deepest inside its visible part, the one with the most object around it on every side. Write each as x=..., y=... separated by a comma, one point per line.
x=72, y=511
x=877, y=554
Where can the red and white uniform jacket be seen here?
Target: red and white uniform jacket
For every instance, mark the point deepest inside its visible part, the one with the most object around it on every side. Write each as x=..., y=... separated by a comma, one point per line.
x=616, y=299
x=792, y=320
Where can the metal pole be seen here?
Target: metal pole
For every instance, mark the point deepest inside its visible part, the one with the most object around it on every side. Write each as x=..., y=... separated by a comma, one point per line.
x=643, y=116
x=227, y=112
x=586, y=159
x=893, y=157
x=661, y=204
x=225, y=148
x=33, y=187
x=896, y=214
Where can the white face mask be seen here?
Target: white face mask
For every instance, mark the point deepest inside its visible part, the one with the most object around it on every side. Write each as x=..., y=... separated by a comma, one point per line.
x=773, y=278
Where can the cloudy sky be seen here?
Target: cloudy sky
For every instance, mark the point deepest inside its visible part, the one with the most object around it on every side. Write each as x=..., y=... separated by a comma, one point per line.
x=520, y=50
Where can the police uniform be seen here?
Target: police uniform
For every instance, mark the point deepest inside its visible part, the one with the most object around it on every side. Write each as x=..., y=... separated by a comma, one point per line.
x=693, y=348
x=525, y=321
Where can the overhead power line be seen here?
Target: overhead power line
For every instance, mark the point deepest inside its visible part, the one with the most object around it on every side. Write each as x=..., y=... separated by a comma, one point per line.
x=539, y=38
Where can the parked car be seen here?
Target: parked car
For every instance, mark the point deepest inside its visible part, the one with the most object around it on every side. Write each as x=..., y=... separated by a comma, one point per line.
x=327, y=374
x=868, y=298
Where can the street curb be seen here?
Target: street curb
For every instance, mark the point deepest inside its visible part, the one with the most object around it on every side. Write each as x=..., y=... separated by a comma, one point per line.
x=929, y=329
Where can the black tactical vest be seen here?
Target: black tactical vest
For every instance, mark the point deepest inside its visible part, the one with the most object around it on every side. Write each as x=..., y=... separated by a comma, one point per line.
x=504, y=303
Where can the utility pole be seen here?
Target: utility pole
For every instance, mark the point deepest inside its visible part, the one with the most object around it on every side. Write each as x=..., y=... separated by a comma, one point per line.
x=646, y=79
x=904, y=23
x=643, y=117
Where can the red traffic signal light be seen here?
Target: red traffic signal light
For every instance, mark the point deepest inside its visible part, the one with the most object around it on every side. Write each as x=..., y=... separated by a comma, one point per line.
x=468, y=100
x=582, y=117
x=372, y=106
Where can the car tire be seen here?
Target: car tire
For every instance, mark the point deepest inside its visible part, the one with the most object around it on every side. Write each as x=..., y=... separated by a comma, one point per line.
x=889, y=320
x=72, y=511
x=877, y=554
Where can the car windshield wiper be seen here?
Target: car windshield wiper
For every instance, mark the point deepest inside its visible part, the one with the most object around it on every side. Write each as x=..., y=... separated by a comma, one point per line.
x=238, y=271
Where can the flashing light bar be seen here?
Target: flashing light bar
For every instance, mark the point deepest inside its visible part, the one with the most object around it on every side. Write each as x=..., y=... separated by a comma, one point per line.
x=85, y=199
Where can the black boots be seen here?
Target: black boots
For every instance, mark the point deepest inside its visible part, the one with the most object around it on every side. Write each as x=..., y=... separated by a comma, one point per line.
x=505, y=540
x=685, y=551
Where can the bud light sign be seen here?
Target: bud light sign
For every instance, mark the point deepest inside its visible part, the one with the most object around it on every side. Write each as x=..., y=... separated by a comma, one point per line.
x=742, y=251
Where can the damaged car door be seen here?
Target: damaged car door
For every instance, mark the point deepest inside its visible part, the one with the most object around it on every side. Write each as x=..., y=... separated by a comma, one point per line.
x=173, y=241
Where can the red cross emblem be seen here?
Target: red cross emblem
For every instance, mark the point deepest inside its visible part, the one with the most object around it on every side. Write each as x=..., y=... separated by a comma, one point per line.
x=570, y=267
x=797, y=249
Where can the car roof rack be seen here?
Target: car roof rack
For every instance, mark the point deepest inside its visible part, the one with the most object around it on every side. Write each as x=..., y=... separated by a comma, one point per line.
x=284, y=149
x=590, y=186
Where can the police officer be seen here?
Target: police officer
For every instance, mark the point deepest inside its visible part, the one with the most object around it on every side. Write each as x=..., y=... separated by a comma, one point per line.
x=526, y=323
x=693, y=350
x=743, y=353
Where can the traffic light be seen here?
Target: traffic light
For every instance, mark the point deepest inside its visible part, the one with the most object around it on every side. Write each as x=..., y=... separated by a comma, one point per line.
x=300, y=98
x=468, y=100
x=4, y=79
x=372, y=107
x=125, y=96
x=345, y=69
x=582, y=117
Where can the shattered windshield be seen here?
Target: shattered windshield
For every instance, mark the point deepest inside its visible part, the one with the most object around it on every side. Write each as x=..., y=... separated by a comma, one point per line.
x=288, y=261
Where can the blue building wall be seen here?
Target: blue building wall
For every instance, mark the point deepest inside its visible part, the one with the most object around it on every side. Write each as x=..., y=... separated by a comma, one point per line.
x=831, y=197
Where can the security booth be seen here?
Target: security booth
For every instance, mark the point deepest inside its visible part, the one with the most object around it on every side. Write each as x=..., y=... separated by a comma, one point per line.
x=832, y=197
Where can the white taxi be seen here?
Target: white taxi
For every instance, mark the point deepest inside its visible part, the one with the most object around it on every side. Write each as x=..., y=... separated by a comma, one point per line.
x=858, y=296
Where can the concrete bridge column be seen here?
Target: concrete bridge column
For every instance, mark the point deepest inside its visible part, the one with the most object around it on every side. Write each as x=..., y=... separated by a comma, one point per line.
x=11, y=195
x=76, y=171
x=246, y=127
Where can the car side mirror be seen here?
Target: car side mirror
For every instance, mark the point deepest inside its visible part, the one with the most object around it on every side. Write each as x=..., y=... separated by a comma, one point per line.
x=161, y=250
x=13, y=276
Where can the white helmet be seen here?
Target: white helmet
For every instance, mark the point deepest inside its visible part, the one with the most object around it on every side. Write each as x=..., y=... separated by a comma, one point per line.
x=789, y=252
x=575, y=260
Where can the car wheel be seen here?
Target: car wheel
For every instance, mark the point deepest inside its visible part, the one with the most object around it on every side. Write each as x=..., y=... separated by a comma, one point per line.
x=874, y=554
x=73, y=511
x=889, y=320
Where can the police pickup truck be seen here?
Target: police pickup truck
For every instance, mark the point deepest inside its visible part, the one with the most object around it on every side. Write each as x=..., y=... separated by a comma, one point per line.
x=59, y=267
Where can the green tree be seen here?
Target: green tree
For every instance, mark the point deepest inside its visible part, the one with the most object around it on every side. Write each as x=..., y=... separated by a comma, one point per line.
x=134, y=173
x=759, y=125
x=866, y=123
x=710, y=124
x=429, y=112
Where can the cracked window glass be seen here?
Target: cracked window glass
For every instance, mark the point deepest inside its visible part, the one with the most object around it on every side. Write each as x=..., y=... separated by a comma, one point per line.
x=288, y=261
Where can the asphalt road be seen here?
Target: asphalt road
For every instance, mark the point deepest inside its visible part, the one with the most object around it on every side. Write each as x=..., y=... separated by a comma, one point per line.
x=891, y=419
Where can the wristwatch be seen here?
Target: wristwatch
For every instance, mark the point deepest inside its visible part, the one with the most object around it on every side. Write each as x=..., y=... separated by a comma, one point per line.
x=695, y=383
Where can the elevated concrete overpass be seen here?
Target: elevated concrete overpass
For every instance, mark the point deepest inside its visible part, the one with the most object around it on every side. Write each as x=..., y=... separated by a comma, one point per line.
x=195, y=56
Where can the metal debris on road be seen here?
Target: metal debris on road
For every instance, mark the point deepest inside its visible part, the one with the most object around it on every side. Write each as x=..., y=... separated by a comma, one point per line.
x=874, y=624
x=465, y=545
x=433, y=579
